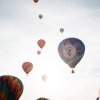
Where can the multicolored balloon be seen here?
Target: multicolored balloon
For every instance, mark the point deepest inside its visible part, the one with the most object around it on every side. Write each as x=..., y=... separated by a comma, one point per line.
x=11, y=87
x=42, y=98
x=27, y=67
x=71, y=50
x=41, y=43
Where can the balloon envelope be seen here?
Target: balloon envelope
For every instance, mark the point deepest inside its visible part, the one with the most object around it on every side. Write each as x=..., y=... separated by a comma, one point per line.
x=71, y=50
x=97, y=98
x=42, y=98
x=41, y=43
x=40, y=16
x=44, y=77
x=11, y=87
x=35, y=1
x=38, y=52
x=27, y=67
x=61, y=30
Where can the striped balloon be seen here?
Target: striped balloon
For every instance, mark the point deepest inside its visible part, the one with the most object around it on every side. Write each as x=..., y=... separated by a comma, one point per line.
x=27, y=67
x=11, y=87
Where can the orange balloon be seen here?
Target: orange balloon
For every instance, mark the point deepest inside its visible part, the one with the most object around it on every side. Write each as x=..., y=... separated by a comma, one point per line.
x=27, y=67
x=41, y=43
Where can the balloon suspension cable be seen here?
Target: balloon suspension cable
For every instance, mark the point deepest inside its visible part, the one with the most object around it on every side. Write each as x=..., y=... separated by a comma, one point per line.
x=73, y=71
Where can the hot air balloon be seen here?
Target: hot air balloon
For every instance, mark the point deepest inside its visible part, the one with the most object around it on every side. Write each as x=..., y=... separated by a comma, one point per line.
x=35, y=1
x=61, y=30
x=27, y=67
x=71, y=51
x=38, y=52
x=42, y=98
x=97, y=98
x=44, y=77
x=11, y=87
x=41, y=43
x=40, y=16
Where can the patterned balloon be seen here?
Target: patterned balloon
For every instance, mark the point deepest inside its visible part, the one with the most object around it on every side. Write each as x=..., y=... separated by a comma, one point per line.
x=27, y=67
x=41, y=43
x=42, y=98
x=11, y=87
x=71, y=50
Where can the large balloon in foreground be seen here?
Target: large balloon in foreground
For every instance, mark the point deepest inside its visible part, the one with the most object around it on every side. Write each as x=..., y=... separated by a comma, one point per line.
x=41, y=43
x=71, y=50
x=11, y=87
x=42, y=98
x=27, y=67
x=35, y=1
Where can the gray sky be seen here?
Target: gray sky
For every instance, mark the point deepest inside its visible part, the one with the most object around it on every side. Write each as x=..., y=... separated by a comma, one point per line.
x=20, y=28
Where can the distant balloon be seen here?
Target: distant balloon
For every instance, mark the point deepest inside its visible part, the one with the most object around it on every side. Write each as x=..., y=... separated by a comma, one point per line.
x=38, y=52
x=99, y=93
x=11, y=87
x=71, y=50
x=97, y=98
x=40, y=16
x=27, y=67
x=41, y=43
x=44, y=77
x=35, y=1
x=73, y=71
x=61, y=30
x=42, y=98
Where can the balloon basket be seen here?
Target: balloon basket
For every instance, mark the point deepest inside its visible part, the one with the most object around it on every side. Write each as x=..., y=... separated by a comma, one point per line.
x=72, y=71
